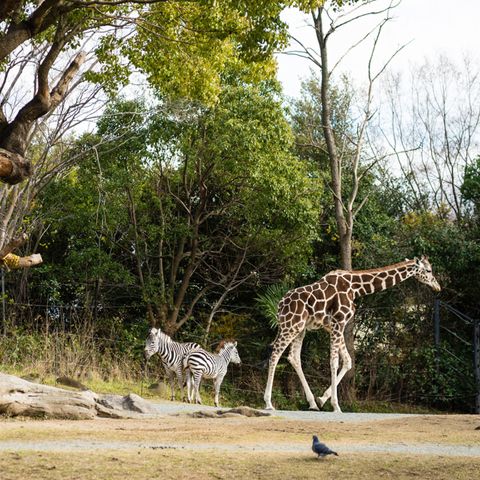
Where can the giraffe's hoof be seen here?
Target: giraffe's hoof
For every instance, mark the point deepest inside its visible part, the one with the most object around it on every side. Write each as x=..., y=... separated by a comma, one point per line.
x=321, y=401
x=313, y=409
x=269, y=407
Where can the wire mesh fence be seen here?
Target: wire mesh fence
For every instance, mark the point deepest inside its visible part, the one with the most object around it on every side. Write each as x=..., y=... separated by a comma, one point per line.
x=396, y=355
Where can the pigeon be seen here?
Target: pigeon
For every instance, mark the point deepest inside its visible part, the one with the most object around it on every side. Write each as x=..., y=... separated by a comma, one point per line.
x=321, y=449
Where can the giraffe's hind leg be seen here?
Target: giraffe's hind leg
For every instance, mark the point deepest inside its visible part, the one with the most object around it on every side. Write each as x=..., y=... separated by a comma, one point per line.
x=283, y=340
x=294, y=358
x=337, y=348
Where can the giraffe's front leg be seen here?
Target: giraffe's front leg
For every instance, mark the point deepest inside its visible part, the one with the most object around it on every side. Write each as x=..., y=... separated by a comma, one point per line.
x=346, y=366
x=333, y=371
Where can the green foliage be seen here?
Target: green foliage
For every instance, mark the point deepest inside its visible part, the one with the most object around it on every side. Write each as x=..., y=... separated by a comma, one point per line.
x=471, y=184
x=181, y=178
x=186, y=48
x=268, y=300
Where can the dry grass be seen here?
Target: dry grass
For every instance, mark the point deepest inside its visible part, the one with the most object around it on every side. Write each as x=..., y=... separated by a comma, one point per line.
x=147, y=462
x=144, y=464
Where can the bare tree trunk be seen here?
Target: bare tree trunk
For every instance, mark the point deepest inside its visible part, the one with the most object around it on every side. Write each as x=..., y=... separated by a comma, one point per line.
x=346, y=205
x=344, y=226
x=138, y=262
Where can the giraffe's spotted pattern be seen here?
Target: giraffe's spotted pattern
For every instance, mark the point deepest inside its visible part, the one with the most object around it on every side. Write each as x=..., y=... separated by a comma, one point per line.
x=329, y=304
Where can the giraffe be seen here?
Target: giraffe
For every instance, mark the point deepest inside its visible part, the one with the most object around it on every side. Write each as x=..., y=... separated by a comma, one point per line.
x=330, y=304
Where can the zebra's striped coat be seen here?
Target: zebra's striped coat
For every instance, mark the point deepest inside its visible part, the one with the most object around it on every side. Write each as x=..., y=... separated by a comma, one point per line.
x=200, y=363
x=171, y=353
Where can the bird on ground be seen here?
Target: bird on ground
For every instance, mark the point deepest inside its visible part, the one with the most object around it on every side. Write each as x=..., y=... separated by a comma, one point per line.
x=321, y=449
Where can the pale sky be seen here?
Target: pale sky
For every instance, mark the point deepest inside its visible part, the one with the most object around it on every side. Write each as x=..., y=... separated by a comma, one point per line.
x=433, y=27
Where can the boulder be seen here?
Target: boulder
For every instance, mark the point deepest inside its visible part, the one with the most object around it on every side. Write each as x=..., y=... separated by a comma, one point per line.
x=22, y=397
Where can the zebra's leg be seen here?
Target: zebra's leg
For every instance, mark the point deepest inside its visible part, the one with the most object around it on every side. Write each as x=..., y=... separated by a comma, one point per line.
x=295, y=359
x=189, y=385
x=179, y=373
x=283, y=340
x=218, y=384
x=171, y=378
x=197, y=378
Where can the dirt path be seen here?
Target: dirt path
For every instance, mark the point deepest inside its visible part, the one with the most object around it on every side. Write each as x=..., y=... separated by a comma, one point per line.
x=408, y=434
x=88, y=446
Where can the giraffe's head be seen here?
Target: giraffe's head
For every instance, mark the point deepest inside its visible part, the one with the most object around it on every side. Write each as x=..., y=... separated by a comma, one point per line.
x=423, y=273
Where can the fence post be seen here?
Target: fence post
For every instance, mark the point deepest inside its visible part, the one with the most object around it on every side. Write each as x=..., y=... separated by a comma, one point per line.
x=476, y=362
x=4, y=314
x=436, y=319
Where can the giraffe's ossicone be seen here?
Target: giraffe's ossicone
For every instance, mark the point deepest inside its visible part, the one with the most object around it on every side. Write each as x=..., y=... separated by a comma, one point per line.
x=330, y=304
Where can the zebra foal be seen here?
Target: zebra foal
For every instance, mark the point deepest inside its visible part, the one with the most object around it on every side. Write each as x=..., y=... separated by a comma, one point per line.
x=202, y=364
x=172, y=355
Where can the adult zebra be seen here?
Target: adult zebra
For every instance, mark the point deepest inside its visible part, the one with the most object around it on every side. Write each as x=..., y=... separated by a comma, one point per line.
x=172, y=355
x=200, y=363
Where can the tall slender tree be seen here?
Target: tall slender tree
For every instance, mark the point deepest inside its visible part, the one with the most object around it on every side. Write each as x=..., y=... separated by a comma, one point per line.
x=344, y=149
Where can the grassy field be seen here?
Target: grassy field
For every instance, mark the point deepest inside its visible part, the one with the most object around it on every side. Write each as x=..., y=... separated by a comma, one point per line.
x=210, y=465
x=239, y=448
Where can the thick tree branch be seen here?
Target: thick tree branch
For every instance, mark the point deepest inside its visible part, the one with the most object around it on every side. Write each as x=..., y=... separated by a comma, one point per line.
x=13, y=244
x=13, y=166
x=43, y=17
x=12, y=261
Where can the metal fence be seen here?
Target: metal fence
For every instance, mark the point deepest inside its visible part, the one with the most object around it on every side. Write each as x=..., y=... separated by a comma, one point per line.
x=443, y=328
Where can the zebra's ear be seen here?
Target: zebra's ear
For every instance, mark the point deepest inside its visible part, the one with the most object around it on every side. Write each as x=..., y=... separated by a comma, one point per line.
x=234, y=344
x=153, y=330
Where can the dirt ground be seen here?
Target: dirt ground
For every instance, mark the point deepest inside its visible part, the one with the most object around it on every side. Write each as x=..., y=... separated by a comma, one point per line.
x=179, y=446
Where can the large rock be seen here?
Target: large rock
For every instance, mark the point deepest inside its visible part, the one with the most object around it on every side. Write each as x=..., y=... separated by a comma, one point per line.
x=22, y=397
x=131, y=403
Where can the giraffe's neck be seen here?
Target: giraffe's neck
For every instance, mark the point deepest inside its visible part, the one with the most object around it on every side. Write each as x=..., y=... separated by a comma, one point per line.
x=366, y=282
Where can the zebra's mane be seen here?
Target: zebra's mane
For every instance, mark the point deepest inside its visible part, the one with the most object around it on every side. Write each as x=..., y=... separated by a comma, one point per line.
x=163, y=336
x=222, y=344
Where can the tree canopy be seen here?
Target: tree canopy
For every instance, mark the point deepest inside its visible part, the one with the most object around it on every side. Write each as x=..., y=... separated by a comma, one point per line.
x=182, y=47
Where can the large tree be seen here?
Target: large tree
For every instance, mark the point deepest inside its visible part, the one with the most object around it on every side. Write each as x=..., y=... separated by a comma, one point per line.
x=182, y=45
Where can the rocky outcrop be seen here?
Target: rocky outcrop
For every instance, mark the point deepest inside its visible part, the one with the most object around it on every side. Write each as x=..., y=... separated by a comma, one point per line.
x=20, y=397
x=242, y=411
